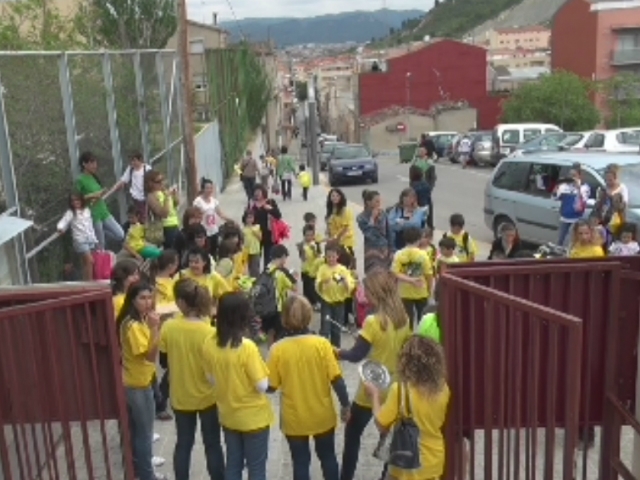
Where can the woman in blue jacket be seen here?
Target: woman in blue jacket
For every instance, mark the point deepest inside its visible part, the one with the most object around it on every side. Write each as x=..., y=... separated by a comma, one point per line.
x=405, y=214
x=375, y=230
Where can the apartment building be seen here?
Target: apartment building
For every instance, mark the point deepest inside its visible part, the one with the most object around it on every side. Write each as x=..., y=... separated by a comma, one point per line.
x=519, y=58
x=518, y=38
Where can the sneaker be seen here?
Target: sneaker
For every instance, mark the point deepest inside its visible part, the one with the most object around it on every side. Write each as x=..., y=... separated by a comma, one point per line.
x=156, y=437
x=157, y=461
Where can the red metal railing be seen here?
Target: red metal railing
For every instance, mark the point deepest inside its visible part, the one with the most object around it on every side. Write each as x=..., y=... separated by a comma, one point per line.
x=62, y=406
x=514, y=368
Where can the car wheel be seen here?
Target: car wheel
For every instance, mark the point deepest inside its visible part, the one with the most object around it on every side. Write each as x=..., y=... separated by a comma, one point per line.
x=498, y=222
x=453, y=159
x=374, y=179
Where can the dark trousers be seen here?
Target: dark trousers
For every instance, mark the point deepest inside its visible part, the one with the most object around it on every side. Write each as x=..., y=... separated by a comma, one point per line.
x=213, y=241
x=305, y=193
x=286, y=189
x=325, y=450
x=309, y=289
x=170, y=234
x=430, y=214
x=266, y=252
x=358, y=421
x=414, y=309
x=328, y=329
x=249, y=184
x=254, y=265
x=161, y=400
x=186, y=424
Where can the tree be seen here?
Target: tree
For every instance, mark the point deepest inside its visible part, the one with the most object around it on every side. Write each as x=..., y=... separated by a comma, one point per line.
x=622, y=100
x=561, y=98
x=127, y=24
x=302, y=91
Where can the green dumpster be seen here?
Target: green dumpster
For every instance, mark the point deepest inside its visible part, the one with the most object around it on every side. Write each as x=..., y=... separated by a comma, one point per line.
x=407, y=151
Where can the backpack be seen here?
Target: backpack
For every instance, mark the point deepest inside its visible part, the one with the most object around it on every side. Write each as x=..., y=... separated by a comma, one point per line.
x=465, y=242
x=263, y=294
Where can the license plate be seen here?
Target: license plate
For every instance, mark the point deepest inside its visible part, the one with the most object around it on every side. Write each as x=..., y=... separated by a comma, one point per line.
x=354, y=174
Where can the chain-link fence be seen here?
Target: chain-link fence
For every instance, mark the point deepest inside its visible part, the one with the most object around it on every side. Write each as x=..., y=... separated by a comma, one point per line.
x=58, y=105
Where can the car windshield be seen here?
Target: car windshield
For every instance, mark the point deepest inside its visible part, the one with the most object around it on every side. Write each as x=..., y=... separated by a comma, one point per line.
x=328, y=147
x=571, y=139
x=350, y=153
x=545, y=140
x=629, y=175
x=483, y=137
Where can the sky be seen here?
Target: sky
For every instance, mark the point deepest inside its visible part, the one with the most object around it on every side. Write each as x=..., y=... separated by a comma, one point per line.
x=202, y=10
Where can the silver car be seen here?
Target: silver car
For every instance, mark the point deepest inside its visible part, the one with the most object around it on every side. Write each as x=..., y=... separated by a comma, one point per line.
x=520, y=190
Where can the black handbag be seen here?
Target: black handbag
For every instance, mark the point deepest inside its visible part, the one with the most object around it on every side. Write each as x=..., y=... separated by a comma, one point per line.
x=404, y=449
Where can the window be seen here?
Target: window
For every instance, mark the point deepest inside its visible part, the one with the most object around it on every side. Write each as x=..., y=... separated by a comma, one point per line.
x=511, y=176
x=587, y=178
x=629, y=41
x=550, y=130
x=630, y=137
x=529, y=133
x=511, y=137
x=542, y=179
x=596, y=140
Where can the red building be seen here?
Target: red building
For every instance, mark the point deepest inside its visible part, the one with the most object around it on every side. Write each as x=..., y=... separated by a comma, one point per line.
x=444, y=70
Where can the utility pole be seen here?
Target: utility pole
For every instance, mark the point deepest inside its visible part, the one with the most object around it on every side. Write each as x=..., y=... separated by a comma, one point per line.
x=188, y=140
x=312, y=140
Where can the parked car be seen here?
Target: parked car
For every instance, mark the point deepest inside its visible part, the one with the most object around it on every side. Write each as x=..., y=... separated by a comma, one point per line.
x=507, y=136
x=442, y=141
x=621, y=140
x=520, y=190
x=481, y=147
x=325, y=153
x=352, y=163
x=452, y=149
x=554, y=142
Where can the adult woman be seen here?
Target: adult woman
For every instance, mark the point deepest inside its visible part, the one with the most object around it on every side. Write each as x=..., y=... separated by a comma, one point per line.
x=340, y=221
x=286, y=170
x=265, y=210
x=420, y=186
x=210, y=208
x=612, y=201
x=163, y=205
x=405, y=213
x=290, y=362
x=375, y=230
x=191, y=216
x=192, y=395
x=89, y=186
x=138, y=327
x=507, y=245
x=381, y=338
x=422, y=389
x=235, y=364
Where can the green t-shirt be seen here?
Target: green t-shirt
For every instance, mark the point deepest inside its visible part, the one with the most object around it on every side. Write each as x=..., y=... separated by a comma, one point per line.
x=428, y=327
x=87, y=184
x=422, y=163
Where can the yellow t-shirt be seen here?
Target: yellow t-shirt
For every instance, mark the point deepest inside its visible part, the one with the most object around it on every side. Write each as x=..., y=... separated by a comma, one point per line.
x=460, y=251
x=240, y=263
x=586, y=251
x=135, y=338
x=172, y=219
x=415, y=263
x=302, y=367
x=339, y=286
x=135, y=237
x=181, y=339
x=252, y=235
x=164, y=290
x=284, y=285
x=237, y=372
x=214, y=282
x=305, y=179
x=385, y=348
x=118, y=302
x=429, y=413
x=312, y=259
x=337, y=223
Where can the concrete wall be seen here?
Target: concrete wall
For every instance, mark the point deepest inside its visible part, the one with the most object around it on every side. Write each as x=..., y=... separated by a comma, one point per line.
x=209, y=161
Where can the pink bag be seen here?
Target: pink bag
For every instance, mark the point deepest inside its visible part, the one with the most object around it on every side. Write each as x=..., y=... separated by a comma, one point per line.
x=362, y=306
x=280, y=231
x=103, y=262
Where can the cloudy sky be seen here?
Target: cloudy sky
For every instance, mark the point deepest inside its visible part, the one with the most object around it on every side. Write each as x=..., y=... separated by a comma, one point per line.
x=201, y=10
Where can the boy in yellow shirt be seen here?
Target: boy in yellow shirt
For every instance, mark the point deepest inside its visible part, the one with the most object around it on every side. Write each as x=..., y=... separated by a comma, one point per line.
x=251, y=246
x=304, y=178
x=284, y=283
x=311, y=220
x=310, y=255
x=465, y=246
x=334, y=284
x=414, y=271
x=135, y=242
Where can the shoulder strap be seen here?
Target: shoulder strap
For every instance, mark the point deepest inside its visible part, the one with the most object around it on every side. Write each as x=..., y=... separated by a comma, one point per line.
x=465, y=242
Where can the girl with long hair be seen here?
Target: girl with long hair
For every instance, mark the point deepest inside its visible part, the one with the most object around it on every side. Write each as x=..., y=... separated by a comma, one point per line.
x=163, y=270
x=138, y=327
x=381, y=338
x=163, y=204
x=211, y=214
x=192, y=395
x=374, y=225
x=124, y=274
x=340, y=220
x=235, y=364
x=191, y=216
x=405, y=214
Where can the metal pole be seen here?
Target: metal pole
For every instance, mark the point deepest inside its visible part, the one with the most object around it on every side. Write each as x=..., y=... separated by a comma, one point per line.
x=408, y=105
x=636, y=438
x=69, y=115
x=312, y=143
x=187, y=102
x=142, y=107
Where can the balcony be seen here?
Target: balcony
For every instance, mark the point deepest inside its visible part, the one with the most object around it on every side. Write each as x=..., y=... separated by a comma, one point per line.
x=627, y=56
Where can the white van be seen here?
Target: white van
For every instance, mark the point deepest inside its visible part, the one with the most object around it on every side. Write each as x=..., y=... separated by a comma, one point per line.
x=506, y=136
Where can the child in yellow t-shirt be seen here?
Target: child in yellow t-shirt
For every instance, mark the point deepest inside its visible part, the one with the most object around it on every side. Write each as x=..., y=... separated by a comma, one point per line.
x=310, y=255
x=412, y=267
x=334, y=284
x=304, y=178
x=584, y=244
x=311, y=220
x=285, y=282
x=465, y=246
x=200, y=270
x=251, y=245
x=164, y=269
x=135, y=242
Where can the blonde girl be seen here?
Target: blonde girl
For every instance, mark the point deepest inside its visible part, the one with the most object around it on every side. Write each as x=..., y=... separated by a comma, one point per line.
x=585, y=243
x=382, y=336
x=422, y=382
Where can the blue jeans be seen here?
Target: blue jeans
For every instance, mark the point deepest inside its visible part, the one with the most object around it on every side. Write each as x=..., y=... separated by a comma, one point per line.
x=250, y=448
x=109, y=227
x=142, y=413
x=325, y=450
x=186, y=423
x=329, y=330
x=564, y=230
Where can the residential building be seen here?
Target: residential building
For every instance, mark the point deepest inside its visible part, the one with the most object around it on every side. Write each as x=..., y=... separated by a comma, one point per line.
x=509, y=79
x=530, y=38
x=597, y=39
x=519, y=58
x=443, y=71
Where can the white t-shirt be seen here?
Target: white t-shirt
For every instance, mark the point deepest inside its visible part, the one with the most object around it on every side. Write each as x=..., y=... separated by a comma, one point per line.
x=464, y=146
x=209, y=216
x=135, y=179
x=81, y=226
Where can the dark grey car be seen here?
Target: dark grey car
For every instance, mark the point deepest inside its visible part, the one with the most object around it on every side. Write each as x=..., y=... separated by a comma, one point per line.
x=325, y=154
x=352, y=163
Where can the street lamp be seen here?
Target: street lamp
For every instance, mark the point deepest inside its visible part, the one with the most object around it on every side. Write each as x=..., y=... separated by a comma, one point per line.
x=408, y=88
